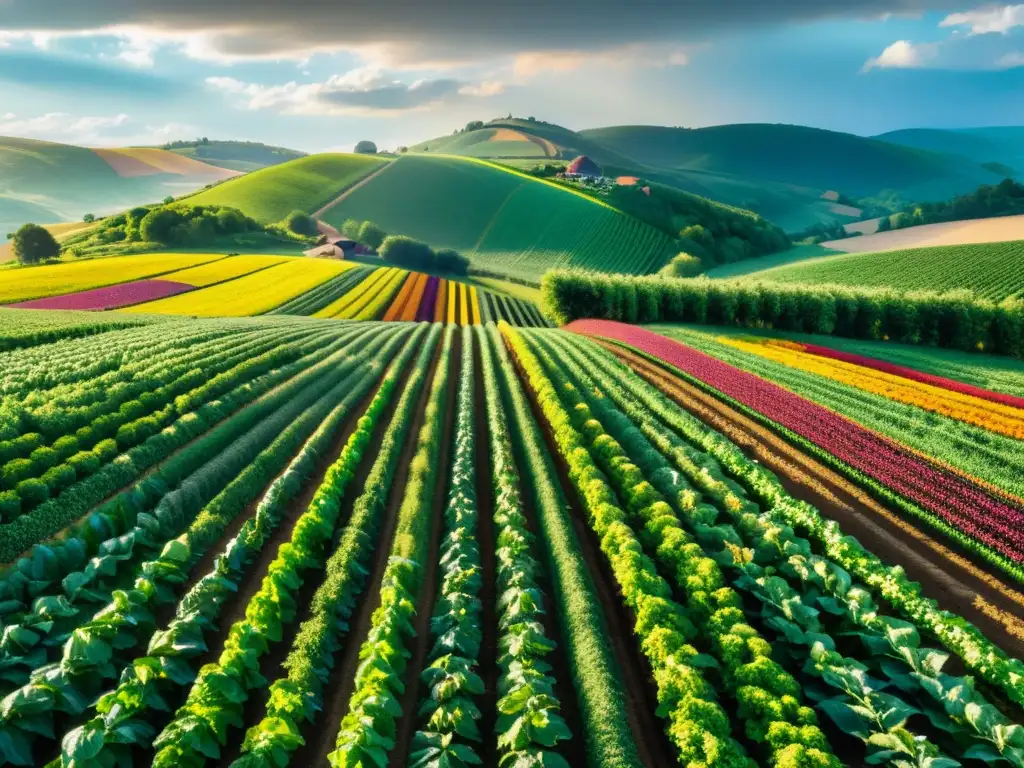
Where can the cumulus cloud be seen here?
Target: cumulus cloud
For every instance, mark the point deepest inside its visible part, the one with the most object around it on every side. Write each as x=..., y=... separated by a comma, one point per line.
x=365, y=90
x=402, y=33
x=61, y=126
x=983, y=21
x=903, y=54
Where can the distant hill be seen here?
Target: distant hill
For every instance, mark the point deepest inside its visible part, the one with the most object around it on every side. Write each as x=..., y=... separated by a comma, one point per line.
x=242, y=156
x=797, y=155
x=1001, y=145
x=45, y=182
x=305, y=184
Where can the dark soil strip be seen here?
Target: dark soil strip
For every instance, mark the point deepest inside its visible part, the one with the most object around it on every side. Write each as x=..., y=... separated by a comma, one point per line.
x=488, y=667
x=415, y=691
x=321, y=734
x=945, y=576
x=652, y=742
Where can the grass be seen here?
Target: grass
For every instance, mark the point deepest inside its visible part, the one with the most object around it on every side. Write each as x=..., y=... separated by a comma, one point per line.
x=751, y=266
x=306, y=184
x=508, y=288
x=992, y=270
x=505, y=221
x=25, y=283
x=252, y=294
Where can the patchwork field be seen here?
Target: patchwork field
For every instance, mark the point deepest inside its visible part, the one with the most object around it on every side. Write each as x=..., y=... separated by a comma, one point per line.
x=992, y=270
x=286, y=541
x=502, y=221
x=995, y=230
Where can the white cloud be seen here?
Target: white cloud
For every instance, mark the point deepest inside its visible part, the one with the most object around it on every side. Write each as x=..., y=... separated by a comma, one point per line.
x=987, y=20
x=364, y=90
x=9, y=116
x=530, y=63
x=903, y=54
x=1011, y=60
x=61, y=126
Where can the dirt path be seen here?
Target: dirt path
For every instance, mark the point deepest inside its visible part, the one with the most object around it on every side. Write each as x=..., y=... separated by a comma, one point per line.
x=415, y=691
x=320, y=735
x=327, y=229
x=641, y=698
x=945, y=575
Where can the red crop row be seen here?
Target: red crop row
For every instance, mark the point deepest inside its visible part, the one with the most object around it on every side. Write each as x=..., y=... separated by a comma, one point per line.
x=111, y=296
x=955, y=499
x=909, y=373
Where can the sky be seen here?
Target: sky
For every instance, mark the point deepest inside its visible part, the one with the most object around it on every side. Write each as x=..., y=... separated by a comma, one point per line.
x=318, y=76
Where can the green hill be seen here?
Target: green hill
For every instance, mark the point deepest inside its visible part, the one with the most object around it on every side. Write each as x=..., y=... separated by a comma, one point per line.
x=505, y=222
x=242, y=156
x=808, y=157
x=1001, y=145
x=992, y=270
x=45, y=182
x=306, y=184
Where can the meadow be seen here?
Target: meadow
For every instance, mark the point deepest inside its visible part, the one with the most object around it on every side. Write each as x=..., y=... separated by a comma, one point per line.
x=504, y=222
x=287, y=541
x=305, y=184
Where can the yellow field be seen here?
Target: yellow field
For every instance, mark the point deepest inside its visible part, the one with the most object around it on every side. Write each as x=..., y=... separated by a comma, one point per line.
x=997, y=230
x=253, y=294
x=225, y=269
x=25, y=283
x=369, y=285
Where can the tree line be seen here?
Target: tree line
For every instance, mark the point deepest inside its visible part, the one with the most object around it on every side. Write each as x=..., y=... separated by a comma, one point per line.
x=405, y=252
x=957, y=319
x=988, y=201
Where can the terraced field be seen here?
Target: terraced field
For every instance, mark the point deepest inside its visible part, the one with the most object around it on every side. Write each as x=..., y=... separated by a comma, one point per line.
x=282, y=541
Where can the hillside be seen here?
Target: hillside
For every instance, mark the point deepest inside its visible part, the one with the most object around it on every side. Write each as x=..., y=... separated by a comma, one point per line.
x=808, y=157
x=1000, y=145
x=992, y=270
x=44, y=182
x=962, y=232
x=505, y=222
x=305, y=184
x=242, y=156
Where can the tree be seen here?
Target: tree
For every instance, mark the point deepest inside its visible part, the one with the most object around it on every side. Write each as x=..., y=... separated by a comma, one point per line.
x=474, y=125
x=402, y=150
x=88, y=218
x=366, y=148
x=351, y=228
x=683, y=265
x=371, y=235
x=157, y=225
x=32, y=244
x=169, y=199
x=301, y=223
x=451, y=261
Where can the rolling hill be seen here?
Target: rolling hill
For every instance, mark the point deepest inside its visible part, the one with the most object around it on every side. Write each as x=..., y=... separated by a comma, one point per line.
x=44, y=182
x=797, y=155
x=242, y=156
x=305, y=184
x=1000, y=145
x=505, y=222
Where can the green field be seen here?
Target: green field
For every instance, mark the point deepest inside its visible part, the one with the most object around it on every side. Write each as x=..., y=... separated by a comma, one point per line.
x=992, y=270
x=794, y=255
x=504, y=222
x=245, y=156
x=305, y=184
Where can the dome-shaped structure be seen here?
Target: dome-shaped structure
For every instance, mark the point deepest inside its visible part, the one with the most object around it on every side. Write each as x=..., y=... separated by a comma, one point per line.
x=583, y=166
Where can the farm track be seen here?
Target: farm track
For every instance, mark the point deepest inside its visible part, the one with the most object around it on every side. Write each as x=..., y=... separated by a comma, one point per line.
x=488, y=657
x=345, y=193
x=951, y=579
x=320, y=735
x=414, y=689
x=651, y=741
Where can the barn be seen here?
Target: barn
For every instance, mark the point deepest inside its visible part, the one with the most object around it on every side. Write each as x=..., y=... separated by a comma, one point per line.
x=583, y=166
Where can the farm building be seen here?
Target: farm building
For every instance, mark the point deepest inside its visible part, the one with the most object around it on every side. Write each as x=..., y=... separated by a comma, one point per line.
x=583, y=166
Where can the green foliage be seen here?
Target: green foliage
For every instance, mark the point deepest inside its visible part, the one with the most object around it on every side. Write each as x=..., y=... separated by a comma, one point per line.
x=371, y=235
x=301, y=224
x=365, y=147
x=683, y=265
x=990, y=200
x=33, y=244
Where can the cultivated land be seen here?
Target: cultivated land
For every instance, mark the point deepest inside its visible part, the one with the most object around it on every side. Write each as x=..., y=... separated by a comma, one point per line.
x=994, y=230
x=991, y=270
x=305, y=184
x=501, y=220
x=292, y=541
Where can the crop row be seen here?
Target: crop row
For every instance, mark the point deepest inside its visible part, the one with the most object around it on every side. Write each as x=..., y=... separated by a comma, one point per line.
x=28, y=329
x=312, y=301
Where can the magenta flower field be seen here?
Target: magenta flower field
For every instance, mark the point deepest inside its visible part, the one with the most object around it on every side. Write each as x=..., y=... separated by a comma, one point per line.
x=425, y=312
x=111, y=296
x=965, y=506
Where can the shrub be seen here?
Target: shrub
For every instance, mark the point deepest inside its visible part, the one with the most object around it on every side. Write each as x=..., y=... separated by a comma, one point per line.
x=301, y=224
x=106, y=450
x=371, y=235
x=366, y=148
x=406, y=252
x=158, y=224
x=32, y=491
x=58, y=478
x=10, y=505
x=15, y=471
x=351, y=228
x=85, y=463
x=451, y=261
x=65, y=446
x=683, y=265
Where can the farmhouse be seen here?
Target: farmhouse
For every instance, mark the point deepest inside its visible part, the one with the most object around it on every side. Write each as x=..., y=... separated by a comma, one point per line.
x=583, y=166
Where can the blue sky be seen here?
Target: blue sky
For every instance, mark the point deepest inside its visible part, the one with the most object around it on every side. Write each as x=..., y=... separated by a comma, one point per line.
x=115, y=72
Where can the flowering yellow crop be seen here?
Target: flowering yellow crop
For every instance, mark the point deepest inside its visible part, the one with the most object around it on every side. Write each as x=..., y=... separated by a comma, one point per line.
x=335, y=308
x=253, y=294
x=225, y=269
x=995, y=417
x=24, y=283
x=463, y=305
x=373, y=304
x=474, y=297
